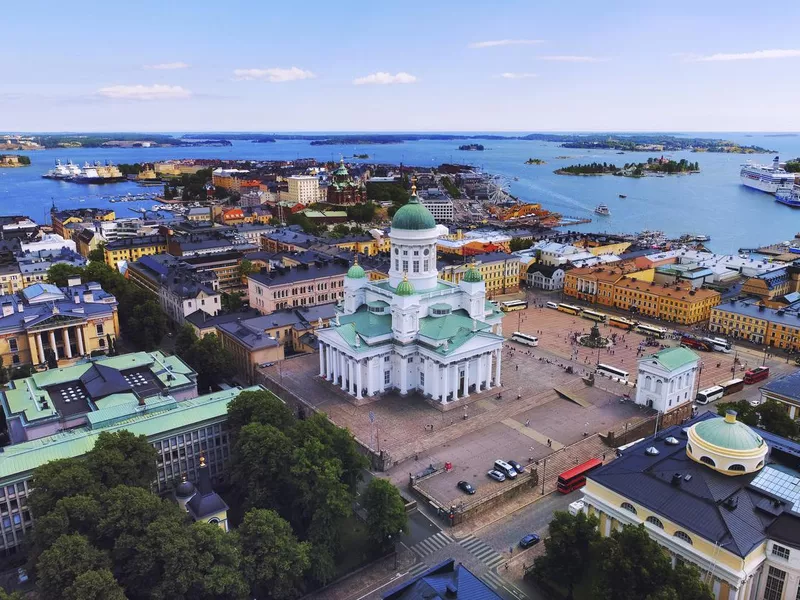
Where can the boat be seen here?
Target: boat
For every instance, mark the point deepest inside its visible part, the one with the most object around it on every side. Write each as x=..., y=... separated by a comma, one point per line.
x=602, y=209
x=58, y=172
x=622, y=196
x=96, y=173
x=790, y=196
x=766, y=178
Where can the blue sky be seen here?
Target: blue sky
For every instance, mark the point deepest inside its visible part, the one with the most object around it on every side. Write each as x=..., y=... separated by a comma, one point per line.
x=438, y=65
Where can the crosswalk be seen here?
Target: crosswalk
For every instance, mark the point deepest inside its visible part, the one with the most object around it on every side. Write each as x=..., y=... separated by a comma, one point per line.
x=482, y=551
x=418, y=569
x=431, y=544
x=494, y=580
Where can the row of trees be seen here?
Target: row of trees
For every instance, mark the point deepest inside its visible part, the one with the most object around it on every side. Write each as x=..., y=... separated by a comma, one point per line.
x=670, y=166
x=793, y=166
x=142, y=322
x=594, y=168
x=520, y=244
x=769, y=416
x=212, y=362
x=627, y=565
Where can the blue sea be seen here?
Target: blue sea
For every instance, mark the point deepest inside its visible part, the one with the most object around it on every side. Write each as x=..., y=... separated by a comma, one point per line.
x=712, y=202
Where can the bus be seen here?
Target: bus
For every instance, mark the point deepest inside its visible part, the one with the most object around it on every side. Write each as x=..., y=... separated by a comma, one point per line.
x=513, y=305
x=652, y=330
x=731, y=386
x=718, y=344
x=576, y=477
x=552, y=305
x=689, y=341
x=621, y=322
x=569, y=308
x=524, y=338
x=594, y=315
x=612, y=372
x=709, y=394
x=756, y=375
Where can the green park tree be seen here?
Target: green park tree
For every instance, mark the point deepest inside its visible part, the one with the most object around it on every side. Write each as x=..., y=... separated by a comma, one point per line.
x=122, y=458
x=97, y=584
x=273, y=560
x=232, y=301
x=259, y=407
x=98, y=254
x=185, y=340
x=258, y=465
x=73, y=514
x=386, y=512
x=218, y=574
x=59, y=479
x=246, y=267
x=774, y=418
x=5, y=376
x=59, y=273
x=568, y=549
x=60, y=565
x=211, y=360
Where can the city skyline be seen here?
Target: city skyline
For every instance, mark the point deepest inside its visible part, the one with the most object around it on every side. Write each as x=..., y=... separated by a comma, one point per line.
x=419, y=67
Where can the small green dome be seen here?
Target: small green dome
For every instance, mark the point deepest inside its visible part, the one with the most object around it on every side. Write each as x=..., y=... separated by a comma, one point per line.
x=473, y=275
x=727, y=432
x=413, y=216
x=404, y=288
x=356, y=271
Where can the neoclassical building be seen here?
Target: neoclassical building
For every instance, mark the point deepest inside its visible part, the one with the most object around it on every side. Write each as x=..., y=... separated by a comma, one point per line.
x=413, y=332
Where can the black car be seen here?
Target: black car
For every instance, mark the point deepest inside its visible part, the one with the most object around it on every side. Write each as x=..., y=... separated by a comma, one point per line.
x=466, y=487
x=529, y=540
x=517, y=467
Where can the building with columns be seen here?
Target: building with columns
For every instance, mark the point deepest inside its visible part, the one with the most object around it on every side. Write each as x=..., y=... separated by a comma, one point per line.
x=667, y=379
x=714, y=493
x=413, y=332
x=72, y=322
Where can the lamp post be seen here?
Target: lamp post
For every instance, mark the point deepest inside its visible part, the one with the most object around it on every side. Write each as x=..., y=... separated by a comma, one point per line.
x=544, y=473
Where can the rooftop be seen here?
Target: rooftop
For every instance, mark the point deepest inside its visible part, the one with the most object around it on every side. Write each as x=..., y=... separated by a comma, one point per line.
x=787, y=386
x=434, y=584
x=288, y=276
x=750, y=308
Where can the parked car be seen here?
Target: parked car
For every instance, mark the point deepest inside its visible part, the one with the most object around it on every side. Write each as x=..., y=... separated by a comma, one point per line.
x=755, y=402
x=529, y=540
x=466, y=487
x=575, y=507
x=496, y=475
x=505, y=468
x=22, y=575
x=518, y=467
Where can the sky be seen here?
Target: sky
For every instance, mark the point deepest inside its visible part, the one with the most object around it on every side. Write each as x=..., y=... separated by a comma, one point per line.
x=437, y=65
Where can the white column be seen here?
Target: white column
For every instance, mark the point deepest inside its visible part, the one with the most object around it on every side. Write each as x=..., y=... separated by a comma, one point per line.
x=359, y=380
x=466, y=379
x=79, y=337
x=52, y=335
x=489, y=384
x=445, y=370
x=343, y=367
x=335, y=363
x=350, y=377
x=322, y=360
x=403, y=375
x=499, y=363
x=454, y=384
x=329, y=360
x=40, y=347
x=67, y=348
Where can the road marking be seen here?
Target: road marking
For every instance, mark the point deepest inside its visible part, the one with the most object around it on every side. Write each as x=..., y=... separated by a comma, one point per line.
x=495, y=581
x=417, y=569
x=431, y=544
x=482, y=551
x=531, y=433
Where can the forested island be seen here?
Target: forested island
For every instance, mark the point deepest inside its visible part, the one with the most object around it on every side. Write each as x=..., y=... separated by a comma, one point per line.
x=361, y=156
x=793, y=165
x=654, y=166
x=124, y=140
x=535, y=161
x=14, y=160
x=651, y=143
x=471, y=147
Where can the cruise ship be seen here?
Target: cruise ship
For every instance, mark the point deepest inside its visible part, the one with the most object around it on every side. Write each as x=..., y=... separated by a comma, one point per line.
x=96, y=173
x=765, y=178
x=790, y=196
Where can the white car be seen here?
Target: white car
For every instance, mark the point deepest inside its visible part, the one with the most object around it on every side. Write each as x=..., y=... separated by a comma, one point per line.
x=575, y=507
x=755, y=402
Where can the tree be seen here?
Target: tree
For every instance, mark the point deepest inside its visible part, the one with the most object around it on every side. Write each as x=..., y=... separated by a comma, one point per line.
x=258, y=407
x=127, y=512
x=775, y=419
x=4, y=374
x=122, y=458
x=520, y=244
x=258, y=464
x=211, y=360
x=59, y=479
x=218, y=574
x=73, y=514
x=567, y=549
x=146, y=325
x=4, y=595
x=232, y=301
x=246, y=267
x=386, y=511
x=744, y=412
x=98, y=584
x=184, y=341
x=273, y=561
x=60, y=565
x=59, y=273
x=98, y=254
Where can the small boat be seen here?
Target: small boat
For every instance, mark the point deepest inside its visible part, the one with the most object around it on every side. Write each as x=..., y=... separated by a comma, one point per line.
x=602, y=209
x=622, y=196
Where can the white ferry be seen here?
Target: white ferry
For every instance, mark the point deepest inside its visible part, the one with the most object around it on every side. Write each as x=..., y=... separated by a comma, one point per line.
x=765, y=178
x=790, y=196
x=602, y=209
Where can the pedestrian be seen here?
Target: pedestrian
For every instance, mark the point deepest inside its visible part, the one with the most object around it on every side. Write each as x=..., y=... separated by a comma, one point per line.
x=528, y=423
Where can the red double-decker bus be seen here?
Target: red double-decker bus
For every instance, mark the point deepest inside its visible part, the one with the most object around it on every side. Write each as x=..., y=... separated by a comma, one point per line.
x=576, y=477
x=756, y=375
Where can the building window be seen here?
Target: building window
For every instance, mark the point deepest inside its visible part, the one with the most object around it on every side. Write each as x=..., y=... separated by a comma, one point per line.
x=100, y=330
x=655, y=521
x=709, y=461
x=405, y=266
x=736, y=468
x=682, y=536
x=780, y=552
x=387, y=377
x=101, y=342
x=12, y=345
x=775, y=581
x=629, y=507
x=422, y=379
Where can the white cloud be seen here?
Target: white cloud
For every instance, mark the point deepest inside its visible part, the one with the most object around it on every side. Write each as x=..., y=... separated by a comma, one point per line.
x=144, y=92
x=517, y=75
x=757, y=55
x=383, y=78
x=170, y=66
x=273, y=75
x=572, y=58
x=494, y=43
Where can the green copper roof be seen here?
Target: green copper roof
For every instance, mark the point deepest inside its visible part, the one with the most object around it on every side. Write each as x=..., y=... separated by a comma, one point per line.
x=413, y=216
x=356, y=272
x=342, y=170
x=446, y=327
x=733, y=435
x=473, y=275
x=404, y=288
x=675, y=358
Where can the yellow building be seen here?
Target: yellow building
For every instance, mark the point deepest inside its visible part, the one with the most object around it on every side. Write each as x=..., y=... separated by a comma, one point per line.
x=132, y=249
x=72, y=322
x=713, y=497
x=362, y=244
x=748, y=320
x=62, y=218
x=500, y=272
x=603, y=249
x=770, y=286
x=11, y=280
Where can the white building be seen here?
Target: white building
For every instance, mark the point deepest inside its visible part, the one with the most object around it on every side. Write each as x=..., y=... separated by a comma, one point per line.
x=545, y=277
x=552, y=253
x=49, y=241
x=303, y=189
x=413, y=332
x=440, y=208
x=667, y=379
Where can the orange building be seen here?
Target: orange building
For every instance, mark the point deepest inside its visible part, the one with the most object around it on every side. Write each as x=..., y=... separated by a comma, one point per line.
x=233, y=216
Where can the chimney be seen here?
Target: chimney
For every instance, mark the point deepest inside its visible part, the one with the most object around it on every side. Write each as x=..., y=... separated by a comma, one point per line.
x=8, y=309
x=73, y=281
x=77, y=298
x=141, y=401
x=20, y=307
x=676, y=479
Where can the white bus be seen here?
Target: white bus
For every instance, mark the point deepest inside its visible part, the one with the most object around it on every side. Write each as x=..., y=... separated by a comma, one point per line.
x=719, y=344
x=524, y=338
x=621, y=322
x=513, y=305
x=594, y=315
x=653, y=330
x=612, y=372
x=709, y=394
x=569, y=308
x=552, y=305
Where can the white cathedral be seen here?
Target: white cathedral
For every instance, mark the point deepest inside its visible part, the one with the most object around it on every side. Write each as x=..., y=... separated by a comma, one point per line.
x=413, y=332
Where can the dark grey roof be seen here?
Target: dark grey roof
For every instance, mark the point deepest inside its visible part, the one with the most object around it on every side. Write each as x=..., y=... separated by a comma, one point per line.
x=252, y=337
x=788, y=386
x=433, y=584
x=135, y=242
x=203, y=320
x=546, y=270
x=301, y=273
x=206, y=501
x=749, y=308
x=101, y=381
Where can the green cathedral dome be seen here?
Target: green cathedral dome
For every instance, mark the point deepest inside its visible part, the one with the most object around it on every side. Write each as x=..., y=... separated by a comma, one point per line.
x=356, y=271
x=473, y=275
x=413, y=215
x=404, y=288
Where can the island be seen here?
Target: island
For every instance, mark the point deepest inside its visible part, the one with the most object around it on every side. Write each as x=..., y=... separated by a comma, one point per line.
x=471, y=147
x=648, y=143
x=653, y=166
x=535, y=161
x=122, y=140
x=14, y=160
x=361, y=156
x=792, y=165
